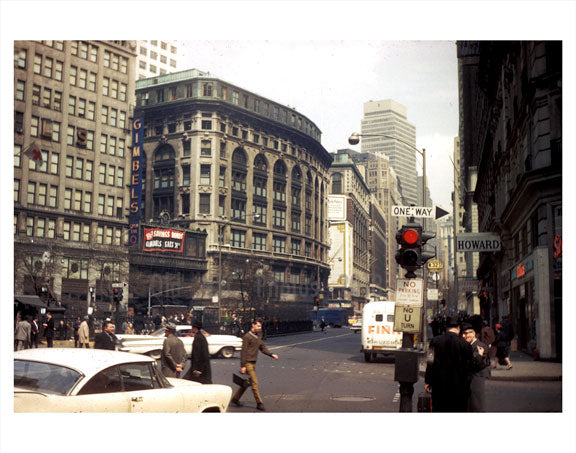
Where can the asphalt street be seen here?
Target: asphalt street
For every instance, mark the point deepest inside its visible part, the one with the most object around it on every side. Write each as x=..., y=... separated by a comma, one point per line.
x=319, y=372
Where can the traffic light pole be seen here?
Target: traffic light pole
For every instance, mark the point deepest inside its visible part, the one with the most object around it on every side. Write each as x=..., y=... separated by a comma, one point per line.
x=411, y=257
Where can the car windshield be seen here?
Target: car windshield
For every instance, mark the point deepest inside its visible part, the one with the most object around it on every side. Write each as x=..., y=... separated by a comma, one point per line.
x=44, y=377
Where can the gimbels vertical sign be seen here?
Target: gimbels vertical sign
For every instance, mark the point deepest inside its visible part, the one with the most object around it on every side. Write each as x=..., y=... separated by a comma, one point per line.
x=136, y=179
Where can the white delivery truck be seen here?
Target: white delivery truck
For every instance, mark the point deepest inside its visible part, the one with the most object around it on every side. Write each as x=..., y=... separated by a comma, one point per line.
x=378, y=336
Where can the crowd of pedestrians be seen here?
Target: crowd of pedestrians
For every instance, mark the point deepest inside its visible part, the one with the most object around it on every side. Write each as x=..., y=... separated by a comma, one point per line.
x=460, y=355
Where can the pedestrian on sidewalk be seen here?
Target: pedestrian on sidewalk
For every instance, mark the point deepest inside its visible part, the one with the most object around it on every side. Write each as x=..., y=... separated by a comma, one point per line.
x=173, y=355
x=251, y=345
x=76, y=327
x=22, y=334
x=477, y=399
x=502, y=343
x=62, y=330
x=34, y=332
x=49, y=330
x=129, y=329
x=107, y=338
x=235, y=326
x=448, y=372
x=84, y=333
x=200, y=370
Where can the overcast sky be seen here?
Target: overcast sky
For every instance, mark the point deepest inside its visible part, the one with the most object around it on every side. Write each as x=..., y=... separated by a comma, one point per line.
x=328, y=81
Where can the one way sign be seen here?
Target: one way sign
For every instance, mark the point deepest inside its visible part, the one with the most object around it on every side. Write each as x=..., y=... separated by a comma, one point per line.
x=418, y=211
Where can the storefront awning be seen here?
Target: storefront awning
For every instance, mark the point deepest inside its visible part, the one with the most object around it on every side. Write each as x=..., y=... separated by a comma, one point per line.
x=30, y=300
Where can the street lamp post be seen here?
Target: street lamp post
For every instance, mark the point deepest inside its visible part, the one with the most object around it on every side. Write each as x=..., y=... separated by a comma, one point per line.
x=404, y=359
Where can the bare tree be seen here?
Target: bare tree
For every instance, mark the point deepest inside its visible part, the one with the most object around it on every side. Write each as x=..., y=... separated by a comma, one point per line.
x=248, y=282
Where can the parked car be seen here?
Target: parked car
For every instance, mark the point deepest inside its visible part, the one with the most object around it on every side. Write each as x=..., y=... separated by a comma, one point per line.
x=151, y=345
x=97, y=380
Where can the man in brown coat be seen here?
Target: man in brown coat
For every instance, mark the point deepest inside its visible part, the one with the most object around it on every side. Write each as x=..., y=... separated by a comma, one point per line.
x=84, y=333
x=173, y=355
x=251, y=344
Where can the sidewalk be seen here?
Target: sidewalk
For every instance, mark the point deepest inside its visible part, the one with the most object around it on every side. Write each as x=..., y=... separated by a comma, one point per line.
x=524, y=368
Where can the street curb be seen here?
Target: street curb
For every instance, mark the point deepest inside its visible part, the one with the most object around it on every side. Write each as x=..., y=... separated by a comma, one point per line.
x=534, y=378
x=525, y=378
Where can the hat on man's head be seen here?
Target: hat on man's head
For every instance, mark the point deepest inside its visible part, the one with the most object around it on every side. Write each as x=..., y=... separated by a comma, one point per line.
x=452, y=321
x=197, y=323
x=171, y=327
x=467, y=326
x=86, y=317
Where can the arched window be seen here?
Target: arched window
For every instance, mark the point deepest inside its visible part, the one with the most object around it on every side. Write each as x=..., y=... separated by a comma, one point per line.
x=239, y=157
x=280, y=181
x=260, y=162
x=296, y=187
x=239, y=170
x=337, y=183
x=280, y=168
x=164, y=175
x=297, y=174
x=163, y=153
x=260, y=176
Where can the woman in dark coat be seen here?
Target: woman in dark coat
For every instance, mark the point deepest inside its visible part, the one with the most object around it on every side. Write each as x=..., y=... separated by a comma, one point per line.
x=502, y=347
x=200, y=370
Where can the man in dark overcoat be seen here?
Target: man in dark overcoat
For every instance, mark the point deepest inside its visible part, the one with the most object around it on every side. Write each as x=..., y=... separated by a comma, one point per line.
x=107, y=338
x=49, y=330
x=448, y=372
x=200, y=370
x=477, y=400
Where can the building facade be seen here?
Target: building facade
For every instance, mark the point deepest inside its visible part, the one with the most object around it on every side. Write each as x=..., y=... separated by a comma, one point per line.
x=383, y=184
x=347, y=180
x=72, y=108
x=511, y=137
x=251, y=173
x=157, y=57
x=390, y=118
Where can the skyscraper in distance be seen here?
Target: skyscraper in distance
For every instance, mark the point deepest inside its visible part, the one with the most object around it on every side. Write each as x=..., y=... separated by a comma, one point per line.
x=388, y=117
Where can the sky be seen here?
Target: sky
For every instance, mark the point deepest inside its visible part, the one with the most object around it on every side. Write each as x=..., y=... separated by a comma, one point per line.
x=329, y=81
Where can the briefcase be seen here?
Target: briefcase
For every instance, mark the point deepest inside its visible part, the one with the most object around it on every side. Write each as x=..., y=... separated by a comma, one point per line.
x=242, y=381
x=425, y=402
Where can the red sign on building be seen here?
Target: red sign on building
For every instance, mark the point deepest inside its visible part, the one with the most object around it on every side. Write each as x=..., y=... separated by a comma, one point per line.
x=163, y=240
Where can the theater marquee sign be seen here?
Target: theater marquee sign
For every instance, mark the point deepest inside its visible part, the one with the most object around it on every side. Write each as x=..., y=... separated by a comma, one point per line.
x=163, y=240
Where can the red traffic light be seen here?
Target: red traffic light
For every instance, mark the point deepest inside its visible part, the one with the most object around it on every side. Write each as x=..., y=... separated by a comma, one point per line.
x=410, y=236
x=116, y=291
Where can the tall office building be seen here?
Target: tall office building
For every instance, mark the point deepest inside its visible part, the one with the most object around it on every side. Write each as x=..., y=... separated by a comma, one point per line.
x=388, y=117
x=383, y=184
x=72, y=107
x=156, y=57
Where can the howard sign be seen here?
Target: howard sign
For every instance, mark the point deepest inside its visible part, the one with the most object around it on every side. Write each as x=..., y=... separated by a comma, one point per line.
x=478, y=242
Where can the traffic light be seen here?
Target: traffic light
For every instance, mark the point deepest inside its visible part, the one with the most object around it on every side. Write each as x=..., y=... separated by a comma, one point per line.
x=411, y=256
x=408, y=255
x=317, y=301
x=117, y=294
x=425, y=256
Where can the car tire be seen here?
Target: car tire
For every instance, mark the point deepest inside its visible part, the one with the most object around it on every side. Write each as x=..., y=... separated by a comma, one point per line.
x=155, y=354
x=367, y=356
x=227, y=352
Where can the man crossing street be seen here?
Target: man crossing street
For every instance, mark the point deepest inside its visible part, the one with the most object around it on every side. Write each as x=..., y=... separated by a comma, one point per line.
x=251, y=344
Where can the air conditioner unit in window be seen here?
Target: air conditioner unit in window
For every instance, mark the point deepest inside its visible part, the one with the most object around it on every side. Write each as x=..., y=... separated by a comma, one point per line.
x=47, y=129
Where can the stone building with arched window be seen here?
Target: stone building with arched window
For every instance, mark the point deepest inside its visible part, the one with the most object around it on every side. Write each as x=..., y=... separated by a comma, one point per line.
x=251, y=173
